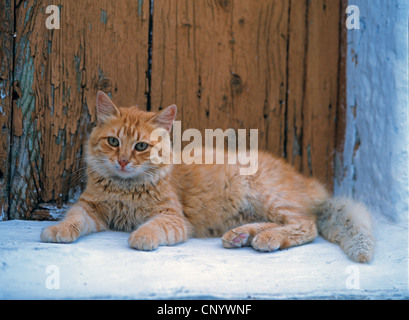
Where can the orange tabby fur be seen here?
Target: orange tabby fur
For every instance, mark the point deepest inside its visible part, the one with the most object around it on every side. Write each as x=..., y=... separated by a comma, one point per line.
x=166, y=204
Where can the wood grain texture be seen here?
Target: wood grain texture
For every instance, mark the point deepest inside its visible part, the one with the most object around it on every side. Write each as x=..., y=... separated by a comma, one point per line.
x=223, y=63
x=99, y=46
x=321, y=89
x=266, y=65
x=296, y=82
x=342, y=96
x=271, y=65
x=6, y=79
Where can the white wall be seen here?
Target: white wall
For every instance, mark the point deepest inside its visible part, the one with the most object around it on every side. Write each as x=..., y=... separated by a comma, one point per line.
x=375, y=159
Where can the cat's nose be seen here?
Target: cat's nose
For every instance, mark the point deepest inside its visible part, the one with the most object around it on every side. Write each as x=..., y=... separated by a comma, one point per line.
x=123, y=162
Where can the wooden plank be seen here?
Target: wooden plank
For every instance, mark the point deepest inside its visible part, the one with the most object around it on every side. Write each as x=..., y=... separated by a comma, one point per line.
x=6, y=78
x=296, y=68
x=321, y=89
x=270, y=65
x=259, y=68
x=25, y=134
x=190, y=61
x=342, y=95
x=273, y=65
x=100, y=46
x=223, y=63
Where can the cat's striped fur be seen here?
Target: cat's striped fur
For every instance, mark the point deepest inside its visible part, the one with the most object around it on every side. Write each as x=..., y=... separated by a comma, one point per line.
x=166, y=204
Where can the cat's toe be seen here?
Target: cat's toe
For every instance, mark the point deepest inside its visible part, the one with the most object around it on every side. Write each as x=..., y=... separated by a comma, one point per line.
x=144, y=242
x=233, y=239
x=59, y=234
x=265, y=242
x=49, y=234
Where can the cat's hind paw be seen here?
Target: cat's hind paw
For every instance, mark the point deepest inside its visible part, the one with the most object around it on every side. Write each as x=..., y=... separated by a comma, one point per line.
x=235, y=239
x=266, y=241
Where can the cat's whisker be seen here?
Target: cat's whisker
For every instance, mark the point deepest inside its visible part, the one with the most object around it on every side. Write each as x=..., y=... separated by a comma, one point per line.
x=80, y=171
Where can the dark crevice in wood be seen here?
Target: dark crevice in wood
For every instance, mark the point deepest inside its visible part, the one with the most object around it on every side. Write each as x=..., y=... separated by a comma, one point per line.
x=304, y=85
x=11, y=93
x=285, y=139
x=149, y=71
x=340, y=123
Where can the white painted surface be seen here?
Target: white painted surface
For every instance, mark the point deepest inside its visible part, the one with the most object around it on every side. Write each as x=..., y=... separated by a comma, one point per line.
x=102, y=266
x=375, y=159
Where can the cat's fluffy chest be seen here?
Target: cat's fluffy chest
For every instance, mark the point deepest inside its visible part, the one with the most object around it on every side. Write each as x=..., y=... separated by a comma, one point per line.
x=123, y=209
x=125, y=214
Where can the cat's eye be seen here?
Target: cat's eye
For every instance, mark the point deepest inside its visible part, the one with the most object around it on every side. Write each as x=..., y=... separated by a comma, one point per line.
x=113, y=142
x=141, y=146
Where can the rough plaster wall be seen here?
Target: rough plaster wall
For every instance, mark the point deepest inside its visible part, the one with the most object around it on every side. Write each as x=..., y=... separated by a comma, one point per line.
x=375, y=158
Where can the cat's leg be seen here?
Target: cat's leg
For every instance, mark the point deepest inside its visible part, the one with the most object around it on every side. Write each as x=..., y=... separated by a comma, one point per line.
x=163, y=229
x=79, y=221
x=295, y=232
x=243, y=235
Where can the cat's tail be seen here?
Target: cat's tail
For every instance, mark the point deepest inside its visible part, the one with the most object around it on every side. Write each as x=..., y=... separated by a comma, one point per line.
x=347, y=223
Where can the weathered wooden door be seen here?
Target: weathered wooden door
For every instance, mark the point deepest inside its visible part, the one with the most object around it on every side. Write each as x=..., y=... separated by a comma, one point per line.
x=272, y=65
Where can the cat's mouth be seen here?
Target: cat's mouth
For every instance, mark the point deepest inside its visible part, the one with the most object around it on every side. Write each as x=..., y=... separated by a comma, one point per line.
x=114, y=170
x=128, y=172
x=125, y=172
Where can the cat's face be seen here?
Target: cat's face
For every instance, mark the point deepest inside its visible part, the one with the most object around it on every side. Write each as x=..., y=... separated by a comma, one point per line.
x=120, y=145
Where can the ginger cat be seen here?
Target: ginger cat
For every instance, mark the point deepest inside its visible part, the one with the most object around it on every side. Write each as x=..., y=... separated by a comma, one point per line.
x=165, y=204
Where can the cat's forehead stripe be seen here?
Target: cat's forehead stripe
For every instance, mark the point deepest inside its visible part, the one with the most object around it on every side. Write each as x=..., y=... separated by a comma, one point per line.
x=128, y=131
x=131, y=131
x=121, y=132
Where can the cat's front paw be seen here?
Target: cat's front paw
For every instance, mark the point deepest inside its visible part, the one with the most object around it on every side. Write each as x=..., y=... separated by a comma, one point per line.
x=145, y=240
x=59, y=234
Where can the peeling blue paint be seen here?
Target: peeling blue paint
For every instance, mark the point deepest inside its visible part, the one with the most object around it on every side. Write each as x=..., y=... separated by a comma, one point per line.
x=140, y=5
x=26, y=146
x=101, y=75
x=25, y=74
x=3, y=94
x=78, y=71
x=52, y=100
x=49, y=47
x=27, y=17
x=104, y=17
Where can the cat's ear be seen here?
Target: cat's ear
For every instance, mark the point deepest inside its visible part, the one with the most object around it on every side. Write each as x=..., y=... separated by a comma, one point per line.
x=165, y=118
x=105, y=108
